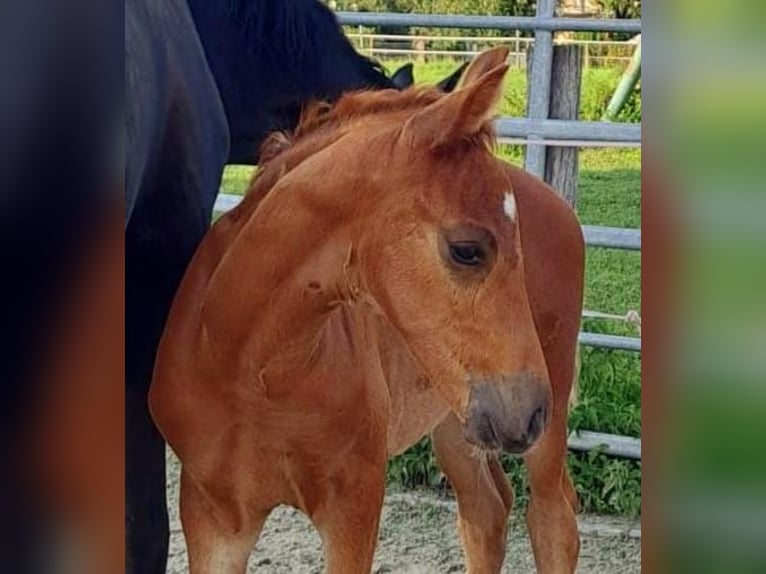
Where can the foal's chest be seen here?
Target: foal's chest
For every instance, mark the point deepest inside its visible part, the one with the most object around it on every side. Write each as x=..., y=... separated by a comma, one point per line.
x=415, y=411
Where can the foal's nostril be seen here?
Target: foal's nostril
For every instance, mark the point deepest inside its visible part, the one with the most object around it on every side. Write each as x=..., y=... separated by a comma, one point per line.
x=488, y=432
x=493, y=430
x=536, y=424
x=510, y=414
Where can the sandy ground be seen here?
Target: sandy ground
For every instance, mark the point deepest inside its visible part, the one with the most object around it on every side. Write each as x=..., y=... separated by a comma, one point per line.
x=417, y=536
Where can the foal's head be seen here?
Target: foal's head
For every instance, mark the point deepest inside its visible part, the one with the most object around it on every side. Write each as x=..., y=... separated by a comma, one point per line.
x=433, y=232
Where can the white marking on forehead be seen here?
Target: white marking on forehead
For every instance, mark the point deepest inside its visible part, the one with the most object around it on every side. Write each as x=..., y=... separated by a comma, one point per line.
x=509, y=205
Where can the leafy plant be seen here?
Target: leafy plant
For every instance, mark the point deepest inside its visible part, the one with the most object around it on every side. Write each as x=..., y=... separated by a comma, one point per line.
x=416, y=467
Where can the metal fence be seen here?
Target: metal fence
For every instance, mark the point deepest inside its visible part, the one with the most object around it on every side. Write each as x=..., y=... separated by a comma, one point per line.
x=596, y=53
x=535, y=131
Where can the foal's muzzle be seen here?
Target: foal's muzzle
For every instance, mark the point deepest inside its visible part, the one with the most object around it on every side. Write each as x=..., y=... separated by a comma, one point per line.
x=508, y=412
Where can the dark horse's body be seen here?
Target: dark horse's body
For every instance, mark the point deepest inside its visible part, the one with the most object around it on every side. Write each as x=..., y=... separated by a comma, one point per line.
x=196, y=100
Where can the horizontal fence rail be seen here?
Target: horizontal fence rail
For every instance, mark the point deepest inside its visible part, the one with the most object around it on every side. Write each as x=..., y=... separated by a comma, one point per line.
x=568, y=129
x=226, y=201
x=527, y=23
x=526, y=41
x=614, y=237
x=611, y=341
x=516, y=58
x=615, y=445
x=595, y=52
x=569, y=143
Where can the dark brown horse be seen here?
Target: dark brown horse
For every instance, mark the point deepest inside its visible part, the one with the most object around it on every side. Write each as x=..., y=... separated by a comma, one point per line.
x=386, y=277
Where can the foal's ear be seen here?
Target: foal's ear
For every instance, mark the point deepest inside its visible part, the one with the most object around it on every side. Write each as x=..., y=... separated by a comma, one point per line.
x=483, y=63
x=458, y=115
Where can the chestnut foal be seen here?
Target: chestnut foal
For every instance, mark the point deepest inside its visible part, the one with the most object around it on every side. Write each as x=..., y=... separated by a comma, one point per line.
x=385, y=277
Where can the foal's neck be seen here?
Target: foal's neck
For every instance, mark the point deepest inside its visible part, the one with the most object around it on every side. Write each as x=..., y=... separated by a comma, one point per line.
x=287, y=307
x=285, y=271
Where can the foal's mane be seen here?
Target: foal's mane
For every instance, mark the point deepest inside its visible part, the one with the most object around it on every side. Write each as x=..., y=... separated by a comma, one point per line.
x=322, y=118
x=322, y=123
x=319, y=116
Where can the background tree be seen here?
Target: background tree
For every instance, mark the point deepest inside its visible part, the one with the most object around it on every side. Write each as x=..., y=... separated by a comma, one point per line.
x=620, y=8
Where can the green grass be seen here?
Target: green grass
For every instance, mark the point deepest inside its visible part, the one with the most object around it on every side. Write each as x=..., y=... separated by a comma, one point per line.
x=236, y=178
x=610, y=381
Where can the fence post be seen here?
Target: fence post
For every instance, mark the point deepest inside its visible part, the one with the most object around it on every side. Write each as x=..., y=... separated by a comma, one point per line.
x=420, y=49
x=539, y=88
x=561, y=163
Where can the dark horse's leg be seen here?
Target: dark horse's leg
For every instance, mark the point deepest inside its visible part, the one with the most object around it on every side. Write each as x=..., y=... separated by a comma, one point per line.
x=152, y=274
x=146, y=527
x=177, y=142
x=146, y=516
x=154, y=269
x=150, y=284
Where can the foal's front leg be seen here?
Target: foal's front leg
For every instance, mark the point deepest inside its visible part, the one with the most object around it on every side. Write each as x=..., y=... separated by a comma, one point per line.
x=348, y=514
x=552, y=502
x=218, y=539
x=484, y=497
x=552, y=497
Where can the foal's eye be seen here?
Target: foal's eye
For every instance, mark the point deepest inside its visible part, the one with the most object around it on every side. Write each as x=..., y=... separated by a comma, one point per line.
x=470, y=254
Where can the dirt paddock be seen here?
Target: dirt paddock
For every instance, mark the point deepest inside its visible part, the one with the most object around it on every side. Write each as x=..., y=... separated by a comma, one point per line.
x=417, y=536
